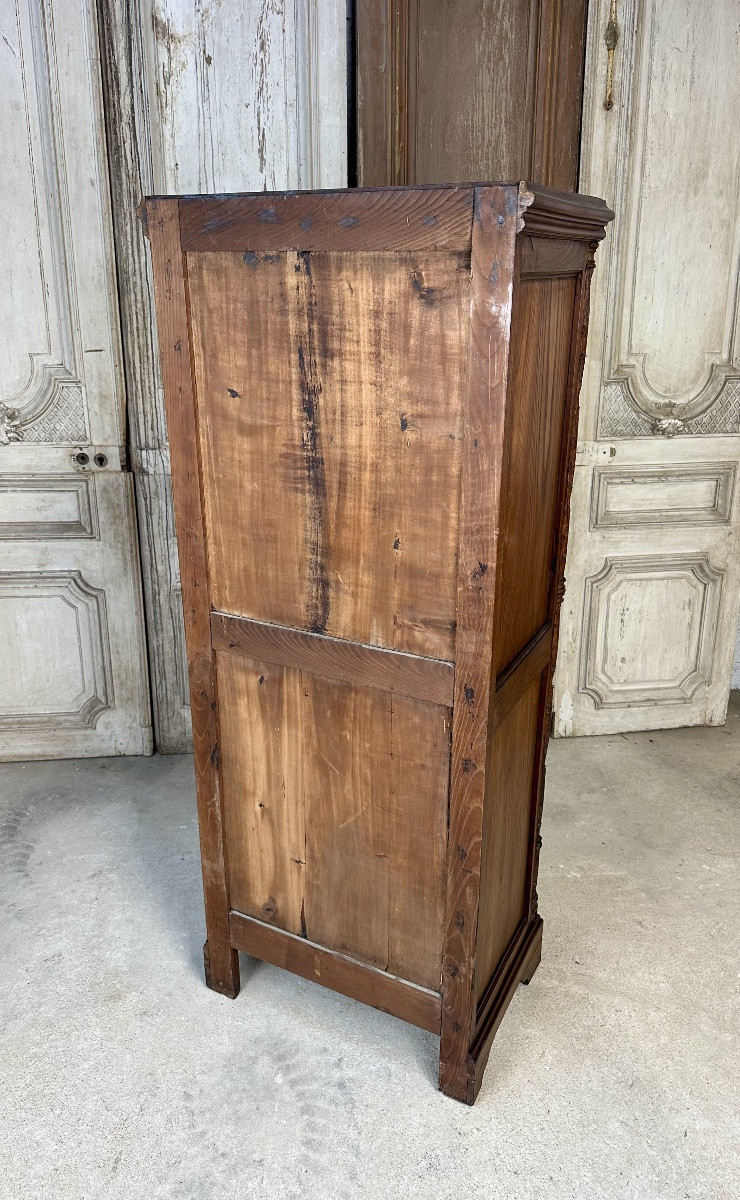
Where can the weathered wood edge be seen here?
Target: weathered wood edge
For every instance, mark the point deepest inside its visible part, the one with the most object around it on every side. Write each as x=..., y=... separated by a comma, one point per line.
x=492, y=272
x=170, y=287
x=408, y=1001
x=428, y=679
x=579, y=338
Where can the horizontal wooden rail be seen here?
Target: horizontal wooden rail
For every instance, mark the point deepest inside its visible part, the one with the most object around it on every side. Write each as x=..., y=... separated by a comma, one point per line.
x=411, y=1003
x=515, y=680
x=428, y=679
x=361, y=219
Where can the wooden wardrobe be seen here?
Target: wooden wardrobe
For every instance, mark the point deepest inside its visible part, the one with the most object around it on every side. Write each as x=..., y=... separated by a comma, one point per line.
x=372, y=402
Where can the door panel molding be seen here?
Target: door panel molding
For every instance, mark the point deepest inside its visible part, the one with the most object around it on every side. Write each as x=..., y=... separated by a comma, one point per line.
x=625, y=661
x=671, y=329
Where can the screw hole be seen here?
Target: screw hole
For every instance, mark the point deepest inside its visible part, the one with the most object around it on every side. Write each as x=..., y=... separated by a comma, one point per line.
x=82, y=458
x=100, y=460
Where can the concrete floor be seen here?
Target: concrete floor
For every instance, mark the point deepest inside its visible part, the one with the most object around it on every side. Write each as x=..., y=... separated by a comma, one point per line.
x=615, y=1074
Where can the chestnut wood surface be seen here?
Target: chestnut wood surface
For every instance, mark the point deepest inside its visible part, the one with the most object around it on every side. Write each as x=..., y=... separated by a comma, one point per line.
x=372, y=448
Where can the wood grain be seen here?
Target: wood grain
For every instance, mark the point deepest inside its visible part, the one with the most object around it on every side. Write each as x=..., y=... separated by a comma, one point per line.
x=364, y=219
x=515, y=680
x=467, y=90
x=414, y=1004
x=335, y=801
x=492, y=264
x=550, y=256
x=222, y=962
x=332, y=658
x=331, y=473
x=540, y=353
x=506, y=829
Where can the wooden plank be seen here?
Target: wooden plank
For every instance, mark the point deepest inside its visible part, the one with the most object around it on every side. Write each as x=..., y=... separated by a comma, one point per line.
x=419, y=1006
x=331, y=658
x=492, y=267
x=577, y=358
x=540, y=350
x=321, y=403
x=510, y=796
x=550, y=256
x=363, y=219
x=376, y=823
x=335, y=812
x=262, y=764
x=222, y=962
x=515, y=680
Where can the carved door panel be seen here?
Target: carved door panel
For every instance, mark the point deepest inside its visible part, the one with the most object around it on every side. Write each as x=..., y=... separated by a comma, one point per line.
x=653, y=570
x=73, y=677
x=203, y=98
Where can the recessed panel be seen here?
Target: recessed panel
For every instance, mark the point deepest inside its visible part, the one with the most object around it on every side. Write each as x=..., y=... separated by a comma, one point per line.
x=507, y=818
x=335, y=809
x=538, y=376
x=329, y=390
x=628, y=656
x=46, y=508
x=678, y=495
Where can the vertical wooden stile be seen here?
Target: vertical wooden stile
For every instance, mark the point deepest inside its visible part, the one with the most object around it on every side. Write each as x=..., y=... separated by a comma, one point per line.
x=170, y=285
x=492, y=270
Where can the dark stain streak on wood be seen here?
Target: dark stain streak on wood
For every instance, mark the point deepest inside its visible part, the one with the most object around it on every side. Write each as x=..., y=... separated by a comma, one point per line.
x=250, y=258
x=479, y=571
x=348, y=222
x=469, y=694
x=233, y=393
x=268, y=215
x=317, y=603
x=404, y=422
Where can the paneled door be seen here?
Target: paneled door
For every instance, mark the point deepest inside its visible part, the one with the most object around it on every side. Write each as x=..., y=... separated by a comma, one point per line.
x=653, y=567
x=73, y=678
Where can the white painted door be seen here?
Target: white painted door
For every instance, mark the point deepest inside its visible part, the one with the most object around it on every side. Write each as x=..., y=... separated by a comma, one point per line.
x=73, y=678
x=204, y=98
x=653, y=568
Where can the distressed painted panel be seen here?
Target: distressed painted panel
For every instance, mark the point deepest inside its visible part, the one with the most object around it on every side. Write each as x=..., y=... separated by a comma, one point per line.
x=204, y=97
x=690, y=495
x=59, y=354
x=660, y=400
x=48, y=506
x=73, y=675
x=627, y=659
